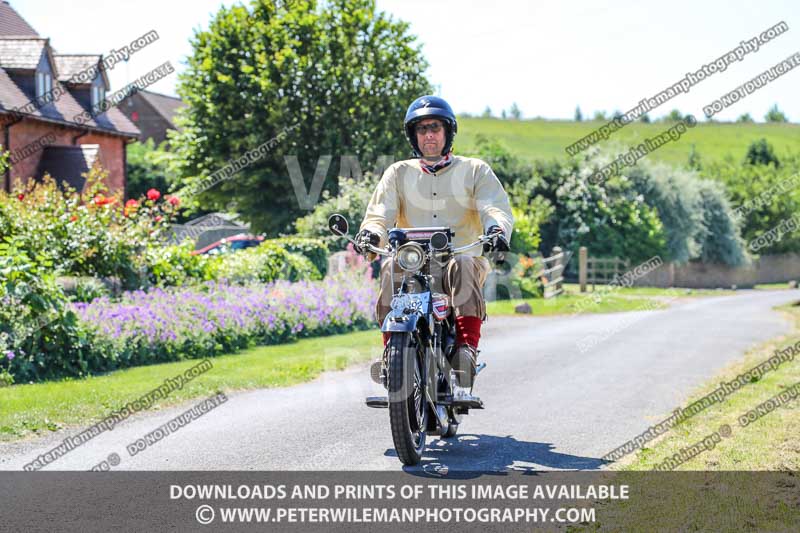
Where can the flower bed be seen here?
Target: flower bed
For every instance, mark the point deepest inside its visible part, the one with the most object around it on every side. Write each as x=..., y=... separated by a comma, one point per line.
x=216, y=318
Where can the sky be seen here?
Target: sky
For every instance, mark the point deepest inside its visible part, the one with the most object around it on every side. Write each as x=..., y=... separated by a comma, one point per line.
x=548, y=57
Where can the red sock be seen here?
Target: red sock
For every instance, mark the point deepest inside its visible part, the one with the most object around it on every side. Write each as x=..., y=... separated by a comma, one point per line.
x=468, y=330
x=386, y=337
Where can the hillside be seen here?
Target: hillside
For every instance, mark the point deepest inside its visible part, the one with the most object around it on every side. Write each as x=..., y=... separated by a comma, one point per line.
x=546, y=139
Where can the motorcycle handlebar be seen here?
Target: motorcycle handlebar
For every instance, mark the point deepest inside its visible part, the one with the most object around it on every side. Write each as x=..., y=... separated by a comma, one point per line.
x=481, y=240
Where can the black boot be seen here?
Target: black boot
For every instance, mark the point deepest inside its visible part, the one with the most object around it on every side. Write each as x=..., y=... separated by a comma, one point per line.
x=465, y=361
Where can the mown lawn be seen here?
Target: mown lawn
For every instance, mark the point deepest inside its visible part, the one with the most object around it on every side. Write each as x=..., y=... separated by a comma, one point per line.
x=36, y=408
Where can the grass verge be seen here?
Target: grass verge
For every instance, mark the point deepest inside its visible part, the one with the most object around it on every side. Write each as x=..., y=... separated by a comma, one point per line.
x=746, y=481
x=39, y=407
x=770, y=443
x=569, y=303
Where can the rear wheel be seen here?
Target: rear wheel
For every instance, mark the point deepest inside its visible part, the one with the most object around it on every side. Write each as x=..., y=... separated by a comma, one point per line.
x=407, y=404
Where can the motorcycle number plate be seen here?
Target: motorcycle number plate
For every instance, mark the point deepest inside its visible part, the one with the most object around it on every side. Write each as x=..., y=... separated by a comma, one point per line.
x=412, y=302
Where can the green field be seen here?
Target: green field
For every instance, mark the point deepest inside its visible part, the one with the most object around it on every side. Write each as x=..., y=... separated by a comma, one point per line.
x=546, y=139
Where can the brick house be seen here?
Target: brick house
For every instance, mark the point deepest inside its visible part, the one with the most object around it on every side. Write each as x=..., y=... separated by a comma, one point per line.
x=42, y=93
x=153, y=113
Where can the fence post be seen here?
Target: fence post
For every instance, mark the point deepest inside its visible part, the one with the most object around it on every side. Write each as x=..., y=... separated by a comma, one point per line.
x=560, y=271
x=583, y=259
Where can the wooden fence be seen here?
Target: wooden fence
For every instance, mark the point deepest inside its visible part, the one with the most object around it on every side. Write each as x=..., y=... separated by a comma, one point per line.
x=552, y=273
x=602, y=270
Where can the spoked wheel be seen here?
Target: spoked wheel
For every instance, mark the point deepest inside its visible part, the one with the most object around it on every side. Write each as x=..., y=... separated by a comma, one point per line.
x=408, y=410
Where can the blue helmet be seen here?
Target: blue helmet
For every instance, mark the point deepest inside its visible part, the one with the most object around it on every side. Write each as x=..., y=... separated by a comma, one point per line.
x=430, y=106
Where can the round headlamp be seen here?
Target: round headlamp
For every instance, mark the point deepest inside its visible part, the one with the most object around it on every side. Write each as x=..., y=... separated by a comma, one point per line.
x=411, y=256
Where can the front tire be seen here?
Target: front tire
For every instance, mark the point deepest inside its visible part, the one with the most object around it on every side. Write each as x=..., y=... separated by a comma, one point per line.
x=408, y=408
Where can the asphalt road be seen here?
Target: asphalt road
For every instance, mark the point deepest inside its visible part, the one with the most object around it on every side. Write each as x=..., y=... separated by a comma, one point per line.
x=549, y=404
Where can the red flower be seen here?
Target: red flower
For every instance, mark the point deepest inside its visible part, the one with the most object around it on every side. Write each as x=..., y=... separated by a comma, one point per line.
x=73, y=218
x=158, y=218
x=153, y=195
x=20, y=197
x=104, y=200
x=174, y=201
x=131, y=204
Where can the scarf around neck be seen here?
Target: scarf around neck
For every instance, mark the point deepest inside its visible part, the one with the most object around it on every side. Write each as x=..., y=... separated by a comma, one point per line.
x=436, y=167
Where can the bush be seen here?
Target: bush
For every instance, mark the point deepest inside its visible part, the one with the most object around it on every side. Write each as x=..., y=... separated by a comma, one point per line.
x=761, y=153
x=352, y=201
x=146, y=166
x=89, y=234
x=265, y=263
x=40, y=337
x=314, y=249
x=698, y=221
x=83, y=289
x=217, y=318
x=174, y=265
x=764, y=195
x=720, y=241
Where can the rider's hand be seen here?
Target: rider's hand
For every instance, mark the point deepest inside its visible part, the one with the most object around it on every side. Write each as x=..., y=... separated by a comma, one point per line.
x=498, y=242
x=364, y=239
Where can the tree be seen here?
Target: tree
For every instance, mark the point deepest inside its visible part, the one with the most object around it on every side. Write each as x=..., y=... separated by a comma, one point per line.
x=503, y=114
x=674, y=116
x=578, y=114
x=645, y=118
x=617, y=115
x=487, y=113
x=328, y=79
x=146, y=169
x=760, y=152
x=775, y=115
x=515, y=111
x=745, y=118
x=599, y=115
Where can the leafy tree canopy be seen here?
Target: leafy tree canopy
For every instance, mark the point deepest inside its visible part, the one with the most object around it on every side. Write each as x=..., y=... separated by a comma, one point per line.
x=328, y=79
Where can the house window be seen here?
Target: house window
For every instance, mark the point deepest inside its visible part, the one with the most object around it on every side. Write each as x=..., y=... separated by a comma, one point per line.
x=44, y=87
x=98, y=95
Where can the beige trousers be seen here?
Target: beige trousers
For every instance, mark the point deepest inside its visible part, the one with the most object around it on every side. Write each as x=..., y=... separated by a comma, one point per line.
x=461, y=278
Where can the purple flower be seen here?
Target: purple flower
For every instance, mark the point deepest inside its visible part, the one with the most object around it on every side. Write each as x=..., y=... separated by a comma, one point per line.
x=217, y=313
x=10, y=355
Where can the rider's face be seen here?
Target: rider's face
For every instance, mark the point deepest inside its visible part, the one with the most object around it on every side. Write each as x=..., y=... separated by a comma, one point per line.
x=430, y=143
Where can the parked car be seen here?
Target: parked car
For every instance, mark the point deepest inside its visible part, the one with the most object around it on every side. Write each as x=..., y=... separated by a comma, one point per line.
x=230, y=244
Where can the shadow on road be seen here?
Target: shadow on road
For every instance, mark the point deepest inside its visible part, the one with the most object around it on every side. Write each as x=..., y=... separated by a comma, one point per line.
x=470, y=455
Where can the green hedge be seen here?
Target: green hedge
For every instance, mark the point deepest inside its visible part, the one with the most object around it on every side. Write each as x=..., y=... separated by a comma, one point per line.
x=265, y=263
x=314, y=249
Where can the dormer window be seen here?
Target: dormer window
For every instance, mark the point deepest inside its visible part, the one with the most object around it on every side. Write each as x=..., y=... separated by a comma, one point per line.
x=44, y=87
x=98, y=95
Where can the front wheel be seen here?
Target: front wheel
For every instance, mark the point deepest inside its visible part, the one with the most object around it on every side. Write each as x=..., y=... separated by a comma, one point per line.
x=407, y=404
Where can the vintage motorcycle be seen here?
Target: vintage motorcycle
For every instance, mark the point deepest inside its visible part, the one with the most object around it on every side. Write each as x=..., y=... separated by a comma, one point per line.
x=424, y=397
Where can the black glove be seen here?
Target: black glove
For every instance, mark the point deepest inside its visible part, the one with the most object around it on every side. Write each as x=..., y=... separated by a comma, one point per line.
x=364, y=239
x=499, y=243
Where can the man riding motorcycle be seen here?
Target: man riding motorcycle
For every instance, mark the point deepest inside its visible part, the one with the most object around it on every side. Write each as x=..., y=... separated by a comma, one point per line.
x=437, y=188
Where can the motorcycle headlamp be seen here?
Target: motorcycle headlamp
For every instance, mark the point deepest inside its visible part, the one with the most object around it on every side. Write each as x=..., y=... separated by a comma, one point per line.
x=411, y=256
